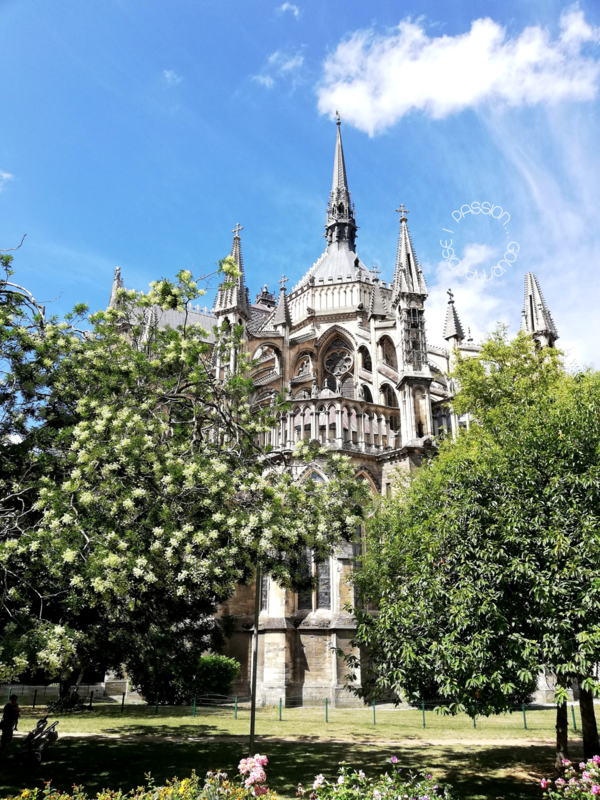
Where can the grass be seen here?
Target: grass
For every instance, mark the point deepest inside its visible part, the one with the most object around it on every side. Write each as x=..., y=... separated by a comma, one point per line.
x=498, y=759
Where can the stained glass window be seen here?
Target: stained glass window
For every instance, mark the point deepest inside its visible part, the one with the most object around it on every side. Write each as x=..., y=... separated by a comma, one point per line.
x=324, y=585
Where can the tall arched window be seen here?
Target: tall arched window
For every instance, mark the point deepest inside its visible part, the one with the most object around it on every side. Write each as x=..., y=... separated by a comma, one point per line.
x=389, y=396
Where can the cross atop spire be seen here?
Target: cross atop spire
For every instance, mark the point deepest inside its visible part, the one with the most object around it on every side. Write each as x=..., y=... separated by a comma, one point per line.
x=283, y=280
x=338, y=119
x=403, y=212
x=452, y=327
x=375, y=272
x=234, y=298
x=408, y=276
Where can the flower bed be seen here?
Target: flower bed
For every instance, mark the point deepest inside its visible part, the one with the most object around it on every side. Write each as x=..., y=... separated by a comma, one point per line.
x=354, y=785
x=251, y=783
x=585, y=783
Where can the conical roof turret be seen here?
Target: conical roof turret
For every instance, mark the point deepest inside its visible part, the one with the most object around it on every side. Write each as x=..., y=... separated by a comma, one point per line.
x=234, y=298
x=281, y=315
x=408, y=276
x=535, y=317
x=377, y=306
x=452, y=327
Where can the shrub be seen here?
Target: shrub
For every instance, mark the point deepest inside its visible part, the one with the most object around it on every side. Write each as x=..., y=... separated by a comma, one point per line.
x=353, y=785
x=181, y=679
x=573, y=784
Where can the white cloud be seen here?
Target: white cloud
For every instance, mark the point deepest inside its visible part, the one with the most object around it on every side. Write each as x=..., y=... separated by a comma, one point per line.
x=266, y=80
x=171, y=77
x=4, y=177
x=279, y=65
x=375, y=80
x=290, y=7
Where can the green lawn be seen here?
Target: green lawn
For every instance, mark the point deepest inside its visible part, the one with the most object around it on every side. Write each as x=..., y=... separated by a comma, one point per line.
x=498, y=759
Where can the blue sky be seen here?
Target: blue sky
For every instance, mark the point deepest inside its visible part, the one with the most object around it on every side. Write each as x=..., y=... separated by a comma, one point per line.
x=139, y=132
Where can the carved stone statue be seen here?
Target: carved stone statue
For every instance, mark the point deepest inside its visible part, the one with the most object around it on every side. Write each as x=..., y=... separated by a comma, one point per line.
x=314, y=392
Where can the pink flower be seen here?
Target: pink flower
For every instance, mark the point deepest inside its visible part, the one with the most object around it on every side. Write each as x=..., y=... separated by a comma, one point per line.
x=582, y=765
x=596, y=759
x=376, y=794
x=258, y=791
x=262, y=761
x=318, y=781
x=543, y=783
x=595, y=789
x=394, y=760
x=256, y=776
x=566, y=762
x=560, y=781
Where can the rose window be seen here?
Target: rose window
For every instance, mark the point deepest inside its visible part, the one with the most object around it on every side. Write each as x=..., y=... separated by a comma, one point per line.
x=338, y=362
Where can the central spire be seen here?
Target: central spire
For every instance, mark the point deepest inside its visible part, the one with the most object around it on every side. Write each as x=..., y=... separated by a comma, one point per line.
x=340, y=226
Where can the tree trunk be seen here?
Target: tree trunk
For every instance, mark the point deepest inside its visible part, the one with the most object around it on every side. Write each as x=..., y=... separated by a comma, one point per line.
x=79, y=679
x=591, y=745
x=562, y=735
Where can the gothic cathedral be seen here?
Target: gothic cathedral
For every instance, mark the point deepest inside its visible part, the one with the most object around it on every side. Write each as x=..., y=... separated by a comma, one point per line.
x=351, y=354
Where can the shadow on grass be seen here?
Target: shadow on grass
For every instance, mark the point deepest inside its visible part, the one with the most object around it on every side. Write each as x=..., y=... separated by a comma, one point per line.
x=472, y=772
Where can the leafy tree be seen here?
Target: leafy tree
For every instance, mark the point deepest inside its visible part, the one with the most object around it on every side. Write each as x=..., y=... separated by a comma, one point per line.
x=134, y=496
x=485, y=565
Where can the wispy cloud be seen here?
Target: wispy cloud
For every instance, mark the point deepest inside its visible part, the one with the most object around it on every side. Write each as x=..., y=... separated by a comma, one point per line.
x=290, y=7
x=279, y=65
x=375, y=80
x=171, y=77
x=265, y=80
x=4, y=177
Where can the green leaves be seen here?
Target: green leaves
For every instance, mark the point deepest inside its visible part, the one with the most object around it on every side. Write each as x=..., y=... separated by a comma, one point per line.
x=135, y=493
x=484, y=566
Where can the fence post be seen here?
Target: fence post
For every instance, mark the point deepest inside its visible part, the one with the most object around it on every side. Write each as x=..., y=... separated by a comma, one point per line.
x=91, y=699
x=326, y=711
x=235, y=707
x=374, y=722
x=423, y=710
x=573, y=713
x=194, y=707
x=123, y=703
x=474, y=720
x=524, y=718
x=34, y=699
x=280, y=709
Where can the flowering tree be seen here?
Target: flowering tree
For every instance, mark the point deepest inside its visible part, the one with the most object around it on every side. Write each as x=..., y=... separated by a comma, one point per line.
x=136, y=497
x=485, y=565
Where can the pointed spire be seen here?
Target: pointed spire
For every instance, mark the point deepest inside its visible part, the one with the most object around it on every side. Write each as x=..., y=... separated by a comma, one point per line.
x=452, y=327
x=282, y=312
x=377, y=306
x=535, y=317
x=117, y=284
x=234, y=298
x=340, y=227
x=408, y=276
x=339, y=165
